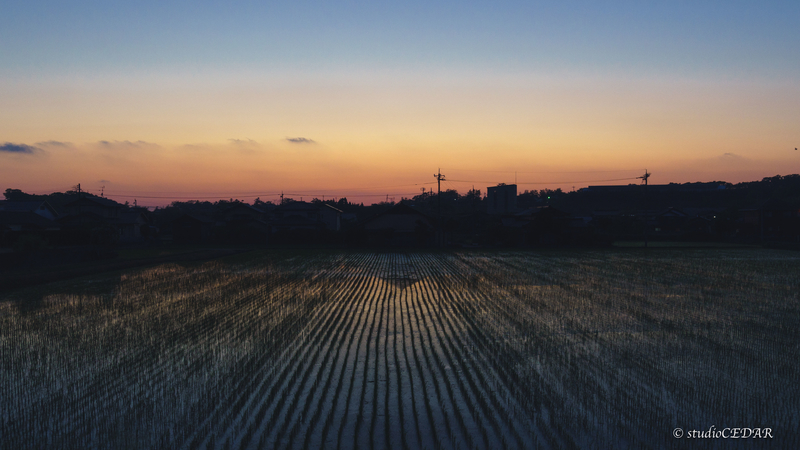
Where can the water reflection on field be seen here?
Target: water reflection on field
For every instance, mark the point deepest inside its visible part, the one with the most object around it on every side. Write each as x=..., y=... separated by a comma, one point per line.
x=406, y=350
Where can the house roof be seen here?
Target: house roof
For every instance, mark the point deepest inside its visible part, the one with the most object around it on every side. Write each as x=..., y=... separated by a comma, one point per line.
x=107, y=203
x=246, y=207
x=85, y=217
x=672, y=212
x=402, y=208
x=41, y=207
x=295, y=220
x=130, y=217
x=399, y=209
x=539, y=210
x=780, y=205
x=25, y=218
x=194, y=217
x=296, y=206
x=325, y=205
x=24, y=206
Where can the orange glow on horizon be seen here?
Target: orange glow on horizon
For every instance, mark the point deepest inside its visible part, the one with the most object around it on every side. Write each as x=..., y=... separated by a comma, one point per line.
x=226, y=134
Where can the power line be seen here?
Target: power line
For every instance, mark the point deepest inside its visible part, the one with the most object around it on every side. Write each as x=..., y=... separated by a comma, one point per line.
x=195, y=197
x=253, y=193
x=544, y=171
x=585, y=181
x=379, y=187
x=547, y=182
x=354, y=195
x=204, y=195
x=304, y=193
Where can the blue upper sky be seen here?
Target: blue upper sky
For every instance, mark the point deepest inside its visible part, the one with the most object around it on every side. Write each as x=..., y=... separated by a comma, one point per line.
x=685, y=38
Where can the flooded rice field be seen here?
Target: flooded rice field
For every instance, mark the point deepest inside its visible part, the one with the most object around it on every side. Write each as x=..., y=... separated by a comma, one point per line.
x=408, y=350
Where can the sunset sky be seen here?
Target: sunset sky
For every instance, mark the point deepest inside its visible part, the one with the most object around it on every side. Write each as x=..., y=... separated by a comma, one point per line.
x=164, y=100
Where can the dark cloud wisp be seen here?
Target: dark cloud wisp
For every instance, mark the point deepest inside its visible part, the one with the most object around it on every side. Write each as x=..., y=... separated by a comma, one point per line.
x=300, y=140
x=8, y=147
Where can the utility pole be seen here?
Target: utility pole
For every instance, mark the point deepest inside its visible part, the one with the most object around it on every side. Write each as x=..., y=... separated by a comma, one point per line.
x=79, y=200
x=281, y=197
x=644, y=179
x=439, y=178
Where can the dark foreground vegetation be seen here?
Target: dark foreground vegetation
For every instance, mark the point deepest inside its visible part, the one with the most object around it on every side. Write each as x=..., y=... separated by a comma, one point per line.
x=611, y=349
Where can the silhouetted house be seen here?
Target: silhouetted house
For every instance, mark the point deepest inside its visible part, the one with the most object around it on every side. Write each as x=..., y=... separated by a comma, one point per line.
x=131, y=224
x=95, y=207
x=688, y=223
x=781, y=221
x=548, y=226
x=192, y=228
x=332, y=217
x=709, y=213
x=16, y=224
x=670, y=222
x=243, y=224
x=299, y=216
x=748, y=224
x=609, y=225
x=700, y=228
x=86, y=227
x=518, y=220
x=399, y=226
x=81, y=220
x=470, y=229
x=242, y=212
x=502, y=199
x=101, y=220
x=349, y=217
x=42, y=208
x=31, y=218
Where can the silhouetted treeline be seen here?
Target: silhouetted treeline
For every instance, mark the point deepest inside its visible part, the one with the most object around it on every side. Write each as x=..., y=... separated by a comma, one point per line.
x=756, y=212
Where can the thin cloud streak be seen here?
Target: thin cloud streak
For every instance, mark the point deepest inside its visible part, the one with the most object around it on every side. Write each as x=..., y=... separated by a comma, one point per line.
x=247, y=141
x=126, y=144
x=300, y=140
x=52, y=143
